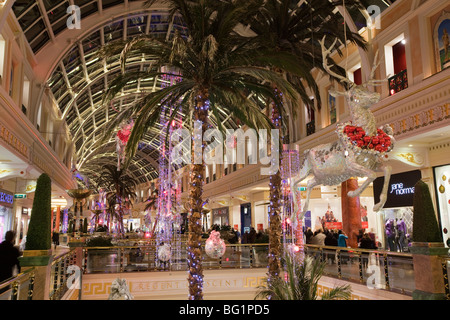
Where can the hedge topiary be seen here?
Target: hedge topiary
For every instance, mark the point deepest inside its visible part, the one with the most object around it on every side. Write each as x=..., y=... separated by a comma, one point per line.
x=85, y=225
x=39, y=229
x=425, y=225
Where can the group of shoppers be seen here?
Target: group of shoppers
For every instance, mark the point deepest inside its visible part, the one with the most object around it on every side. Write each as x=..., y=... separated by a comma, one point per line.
x=326, y=237
x=338, y=238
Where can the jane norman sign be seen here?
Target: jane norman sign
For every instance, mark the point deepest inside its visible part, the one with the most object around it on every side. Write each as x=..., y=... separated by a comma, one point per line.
x=6, y=198
x=401, y=189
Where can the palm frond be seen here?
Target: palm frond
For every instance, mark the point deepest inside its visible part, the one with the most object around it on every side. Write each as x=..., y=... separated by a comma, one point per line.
x=301, y=283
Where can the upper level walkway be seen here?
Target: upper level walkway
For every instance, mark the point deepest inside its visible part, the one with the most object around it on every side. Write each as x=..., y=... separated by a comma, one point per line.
x=372, y=274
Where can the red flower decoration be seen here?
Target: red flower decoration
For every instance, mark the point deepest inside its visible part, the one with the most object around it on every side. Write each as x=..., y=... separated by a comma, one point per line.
x=380, y=142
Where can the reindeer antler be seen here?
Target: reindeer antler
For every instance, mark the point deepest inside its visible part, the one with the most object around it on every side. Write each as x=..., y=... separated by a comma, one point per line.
x=325, y=53
x=372, y=81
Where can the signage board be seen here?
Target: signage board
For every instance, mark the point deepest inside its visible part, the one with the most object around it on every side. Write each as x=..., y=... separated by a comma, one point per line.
x=400, y=191
x=6, y=198
x=20, y=196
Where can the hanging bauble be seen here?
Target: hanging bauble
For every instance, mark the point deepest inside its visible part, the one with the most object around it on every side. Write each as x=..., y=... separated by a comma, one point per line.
x=121, y=141
x=148, y=219
x=441, y=189
x=215, y=247
x=164, y=253
x=290, y=164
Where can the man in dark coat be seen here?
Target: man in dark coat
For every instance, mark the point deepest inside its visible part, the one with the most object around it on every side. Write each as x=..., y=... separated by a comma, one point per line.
x=8, y=256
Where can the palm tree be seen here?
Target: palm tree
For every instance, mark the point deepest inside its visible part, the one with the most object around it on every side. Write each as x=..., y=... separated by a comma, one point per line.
x=220, y=69
x=292, y=28
x=96, y=217
x=301, y=283
x=121, y=192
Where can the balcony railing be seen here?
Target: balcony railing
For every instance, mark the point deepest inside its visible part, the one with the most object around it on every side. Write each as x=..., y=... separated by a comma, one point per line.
x=59, y=274
x=445, y=272
x=378, y=269
x=386, y=270
x=144, y=258
x=398, y=82
x=310, y=128
x=19, y=287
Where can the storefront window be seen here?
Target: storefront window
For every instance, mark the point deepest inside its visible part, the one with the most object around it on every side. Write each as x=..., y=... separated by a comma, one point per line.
x=442, y=189
x=6, y=204
x=396, y=218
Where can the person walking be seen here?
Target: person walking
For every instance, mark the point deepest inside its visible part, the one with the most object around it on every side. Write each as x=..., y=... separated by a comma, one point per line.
x=342, y=239
x=8, y=257
x=55, y=238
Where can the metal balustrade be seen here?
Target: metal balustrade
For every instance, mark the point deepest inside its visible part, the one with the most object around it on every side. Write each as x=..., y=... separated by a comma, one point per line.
x=144, y=258
x=59, y=274
x=375, y=268
x=445, y=272
x=19, y=287
x=398, y=82
x=378, y=269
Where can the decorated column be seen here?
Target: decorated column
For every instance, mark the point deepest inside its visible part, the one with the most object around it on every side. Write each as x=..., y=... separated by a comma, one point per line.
x=351, y=214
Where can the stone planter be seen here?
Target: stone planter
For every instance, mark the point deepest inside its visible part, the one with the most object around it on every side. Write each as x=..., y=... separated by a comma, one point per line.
x=41, y=260
x=429, y=278
x=35, y=258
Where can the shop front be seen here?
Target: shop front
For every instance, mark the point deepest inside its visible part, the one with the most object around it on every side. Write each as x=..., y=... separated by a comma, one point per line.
x=220, y=216
x=442, y=191
x=6, y=212
x=326, y=210
x=395, y=220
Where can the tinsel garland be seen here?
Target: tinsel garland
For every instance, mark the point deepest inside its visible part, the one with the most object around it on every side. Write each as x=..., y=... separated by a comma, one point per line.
x=275, y=248
x=194, y=258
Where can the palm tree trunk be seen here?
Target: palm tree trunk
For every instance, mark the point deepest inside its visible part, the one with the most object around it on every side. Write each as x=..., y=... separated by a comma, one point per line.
x=274, y=212
x=195, y=274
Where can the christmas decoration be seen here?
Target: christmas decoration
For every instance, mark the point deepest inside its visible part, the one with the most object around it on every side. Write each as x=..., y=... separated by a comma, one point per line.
x=120, y=290
x=357, y=139
x=164, y=252
x=121, y=141
x=215, y=247
x=360, y=150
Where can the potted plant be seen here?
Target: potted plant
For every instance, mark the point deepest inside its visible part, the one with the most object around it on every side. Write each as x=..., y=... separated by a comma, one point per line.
x=38, y=253
x=39, y=229
x=427, y=248
x=301, y=282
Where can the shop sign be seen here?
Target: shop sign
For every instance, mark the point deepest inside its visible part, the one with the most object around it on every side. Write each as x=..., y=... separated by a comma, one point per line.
x=333, y=225
x=401, y=189
x=6, y=198
x=308, y=219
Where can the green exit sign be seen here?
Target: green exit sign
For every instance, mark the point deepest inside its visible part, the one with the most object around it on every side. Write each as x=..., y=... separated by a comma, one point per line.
x=20, y=196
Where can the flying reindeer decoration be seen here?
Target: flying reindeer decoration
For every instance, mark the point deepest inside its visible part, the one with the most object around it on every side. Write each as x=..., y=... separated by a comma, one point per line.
x=361, y=149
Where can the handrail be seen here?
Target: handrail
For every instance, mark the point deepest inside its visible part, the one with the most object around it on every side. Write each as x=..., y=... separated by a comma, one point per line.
x=391, y=253
x=394, y=270
x=15, y=282
x=385, y=273
x=58, y=277
x=445, y=263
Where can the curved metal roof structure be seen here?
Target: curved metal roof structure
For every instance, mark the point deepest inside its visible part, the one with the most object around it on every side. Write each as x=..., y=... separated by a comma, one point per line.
x=68, y=66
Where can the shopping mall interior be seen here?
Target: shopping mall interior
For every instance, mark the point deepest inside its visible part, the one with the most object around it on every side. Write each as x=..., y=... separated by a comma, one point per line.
x=204, y=150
